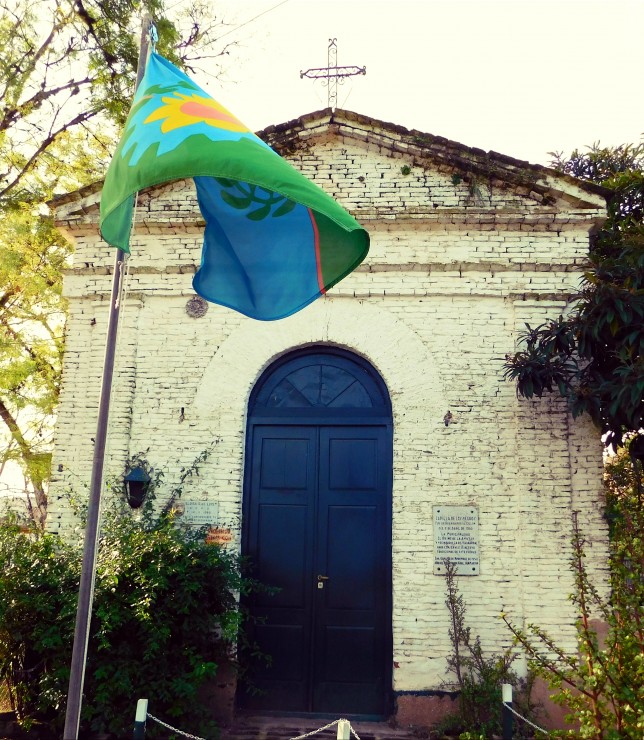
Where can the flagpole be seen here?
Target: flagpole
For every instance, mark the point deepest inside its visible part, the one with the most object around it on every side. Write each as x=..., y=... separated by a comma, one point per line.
x=90, y=547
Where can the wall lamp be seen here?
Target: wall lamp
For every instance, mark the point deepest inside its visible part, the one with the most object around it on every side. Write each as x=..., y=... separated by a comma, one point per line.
x=136, y=484
x=636, y=448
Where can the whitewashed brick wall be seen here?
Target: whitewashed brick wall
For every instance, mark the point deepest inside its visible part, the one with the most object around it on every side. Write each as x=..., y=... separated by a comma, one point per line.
x=455, y=270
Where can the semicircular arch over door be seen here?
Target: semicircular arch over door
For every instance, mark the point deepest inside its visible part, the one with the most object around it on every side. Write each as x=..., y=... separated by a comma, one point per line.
x=317, y=528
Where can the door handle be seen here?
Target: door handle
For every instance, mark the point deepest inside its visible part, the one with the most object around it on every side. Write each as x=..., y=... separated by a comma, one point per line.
x=323, y=578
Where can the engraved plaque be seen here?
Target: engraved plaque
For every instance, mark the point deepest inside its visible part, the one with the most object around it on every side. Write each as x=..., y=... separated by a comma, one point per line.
x=456, y=538
x=200, y=513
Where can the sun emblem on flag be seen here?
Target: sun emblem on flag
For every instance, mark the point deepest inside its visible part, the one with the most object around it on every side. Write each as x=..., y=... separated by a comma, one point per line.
x=184, y=110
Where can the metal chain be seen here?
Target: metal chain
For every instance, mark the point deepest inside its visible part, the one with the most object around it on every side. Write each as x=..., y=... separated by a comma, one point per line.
x=174, y=729
x=299, y=737
x=326, y=727
x=527, y=721
x=314, y=732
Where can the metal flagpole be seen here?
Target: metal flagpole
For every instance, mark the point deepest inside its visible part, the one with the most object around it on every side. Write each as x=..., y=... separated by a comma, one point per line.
x=88, y=571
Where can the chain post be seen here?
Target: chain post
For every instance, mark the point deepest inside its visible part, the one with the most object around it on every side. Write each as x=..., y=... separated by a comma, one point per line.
x=506, y=711
x=140, y=719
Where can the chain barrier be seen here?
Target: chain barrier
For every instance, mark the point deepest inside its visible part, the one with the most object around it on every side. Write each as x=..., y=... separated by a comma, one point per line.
x=327, y=727
x=174, y=729
x=299, y=737
x=527, y=721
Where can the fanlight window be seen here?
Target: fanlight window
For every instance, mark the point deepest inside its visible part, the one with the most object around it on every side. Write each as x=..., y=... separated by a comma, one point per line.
x=330, y=379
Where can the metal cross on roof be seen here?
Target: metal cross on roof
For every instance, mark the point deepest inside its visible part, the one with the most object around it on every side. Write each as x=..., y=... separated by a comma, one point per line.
x=332, y=73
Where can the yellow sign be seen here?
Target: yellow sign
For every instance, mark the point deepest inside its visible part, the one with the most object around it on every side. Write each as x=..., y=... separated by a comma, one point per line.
x=218, y=536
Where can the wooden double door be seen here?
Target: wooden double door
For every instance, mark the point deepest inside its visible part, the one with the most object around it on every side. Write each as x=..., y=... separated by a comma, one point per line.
x=317, y=530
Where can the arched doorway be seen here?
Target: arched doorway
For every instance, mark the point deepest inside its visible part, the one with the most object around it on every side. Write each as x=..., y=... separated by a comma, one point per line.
x=317, y=526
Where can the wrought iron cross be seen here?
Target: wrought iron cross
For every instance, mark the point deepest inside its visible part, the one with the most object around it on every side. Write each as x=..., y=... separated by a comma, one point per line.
x=332, y=73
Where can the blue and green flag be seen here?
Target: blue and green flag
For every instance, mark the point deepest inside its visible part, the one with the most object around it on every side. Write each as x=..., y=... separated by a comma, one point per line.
x=273, y=240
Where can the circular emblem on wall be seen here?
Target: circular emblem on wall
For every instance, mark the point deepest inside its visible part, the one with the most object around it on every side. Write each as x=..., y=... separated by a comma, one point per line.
x=196, y=307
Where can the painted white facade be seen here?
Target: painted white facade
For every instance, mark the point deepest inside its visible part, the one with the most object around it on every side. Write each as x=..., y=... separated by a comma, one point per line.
x=465, y=248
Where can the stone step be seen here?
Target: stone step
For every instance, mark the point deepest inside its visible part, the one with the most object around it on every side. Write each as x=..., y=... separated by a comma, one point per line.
x=286, y=728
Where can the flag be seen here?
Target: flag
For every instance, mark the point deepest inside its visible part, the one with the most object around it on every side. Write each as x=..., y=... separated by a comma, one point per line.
x=273, y=241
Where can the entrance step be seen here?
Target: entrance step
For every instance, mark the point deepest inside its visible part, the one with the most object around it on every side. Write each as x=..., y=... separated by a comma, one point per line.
x=260, y=727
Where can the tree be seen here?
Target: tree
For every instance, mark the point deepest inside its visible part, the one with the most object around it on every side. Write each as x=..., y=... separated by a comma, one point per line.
x=66, y=64
x=594, y=356
x=31, y=342
x=33, y=255
x=67, y=71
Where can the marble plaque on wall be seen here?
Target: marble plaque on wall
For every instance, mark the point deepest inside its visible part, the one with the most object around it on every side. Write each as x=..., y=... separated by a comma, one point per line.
x=456, y=538
x=200, y=513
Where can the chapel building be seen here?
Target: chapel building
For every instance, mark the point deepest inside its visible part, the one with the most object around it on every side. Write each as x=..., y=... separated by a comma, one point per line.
x=356, y=444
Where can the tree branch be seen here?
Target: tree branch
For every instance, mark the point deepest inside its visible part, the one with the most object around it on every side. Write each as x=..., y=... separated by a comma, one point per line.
x=47, y=142
x=11, y=115
x=15, y=431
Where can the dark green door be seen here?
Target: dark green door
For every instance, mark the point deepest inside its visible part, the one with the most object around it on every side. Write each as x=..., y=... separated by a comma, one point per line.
x=318, y=528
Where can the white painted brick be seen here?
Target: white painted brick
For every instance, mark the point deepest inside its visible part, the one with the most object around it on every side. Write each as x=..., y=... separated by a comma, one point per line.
x=447, y=287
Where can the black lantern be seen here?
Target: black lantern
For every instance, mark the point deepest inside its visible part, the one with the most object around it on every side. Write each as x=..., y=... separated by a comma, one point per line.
x=137, y=482
x=636, y=448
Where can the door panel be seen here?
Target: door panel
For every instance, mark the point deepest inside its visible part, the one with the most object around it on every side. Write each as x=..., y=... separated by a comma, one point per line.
x=281, y=558
x=352, y=612
x=319, y=505
x=280, y=517
x=284, y=464
x=350, y=552
x=352, y=463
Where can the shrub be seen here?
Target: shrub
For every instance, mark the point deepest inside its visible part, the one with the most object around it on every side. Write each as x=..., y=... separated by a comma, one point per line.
x=39, y=575
x=165, y=616
x=602, y=685
x=479, y=676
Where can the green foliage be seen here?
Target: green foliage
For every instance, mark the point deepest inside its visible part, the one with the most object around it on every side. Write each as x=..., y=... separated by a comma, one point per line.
x=32, y=257
x=38, y=581
x=617, y=168
x=602, y=684
x=165, y=617
x=594, y=356
x=67, y=67
x=479, y=677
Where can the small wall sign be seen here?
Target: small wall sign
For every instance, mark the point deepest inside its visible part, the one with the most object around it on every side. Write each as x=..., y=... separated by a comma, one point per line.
x=218, y=536
x=200, y=513
x=205, y=514
x=456, y=538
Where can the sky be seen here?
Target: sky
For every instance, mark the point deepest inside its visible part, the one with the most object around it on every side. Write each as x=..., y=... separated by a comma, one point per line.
x=518, y=77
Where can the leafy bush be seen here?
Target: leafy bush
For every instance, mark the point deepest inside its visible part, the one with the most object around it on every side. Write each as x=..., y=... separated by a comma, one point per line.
x=594, y=356
x=164, y=618
x=39, y=577
x=479, y=676
x=603, y=685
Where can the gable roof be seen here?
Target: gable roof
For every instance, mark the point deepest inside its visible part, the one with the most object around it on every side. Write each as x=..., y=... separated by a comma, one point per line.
x=445, y=155
x=544, y=184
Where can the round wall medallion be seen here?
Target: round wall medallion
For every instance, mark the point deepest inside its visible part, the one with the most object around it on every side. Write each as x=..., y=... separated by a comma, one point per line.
x=196, y=307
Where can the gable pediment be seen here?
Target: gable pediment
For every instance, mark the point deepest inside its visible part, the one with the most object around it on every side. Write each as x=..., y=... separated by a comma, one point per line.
x=480, y=173
x=379, y=170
